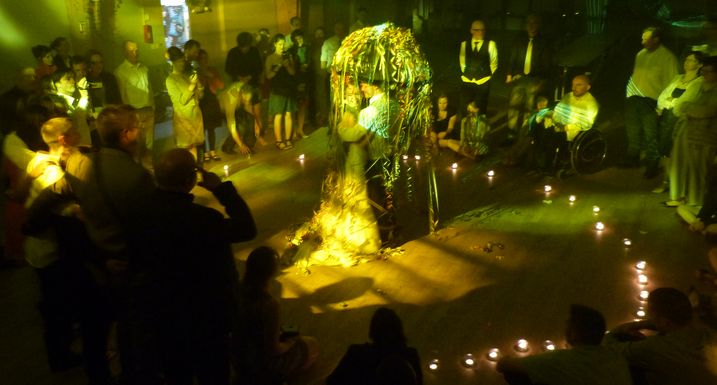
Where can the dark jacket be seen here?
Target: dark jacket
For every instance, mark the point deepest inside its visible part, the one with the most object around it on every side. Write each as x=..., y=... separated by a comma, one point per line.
x=541, y=60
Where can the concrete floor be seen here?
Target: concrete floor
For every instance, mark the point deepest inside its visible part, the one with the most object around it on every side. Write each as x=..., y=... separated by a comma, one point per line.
x=454, y=295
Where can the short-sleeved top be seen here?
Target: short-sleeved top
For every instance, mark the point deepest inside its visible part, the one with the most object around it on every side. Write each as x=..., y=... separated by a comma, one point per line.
x=582, y=365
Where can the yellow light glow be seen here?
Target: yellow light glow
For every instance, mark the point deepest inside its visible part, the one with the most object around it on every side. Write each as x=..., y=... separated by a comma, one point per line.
x=494, y=354
x=491, y=173
x=641, y=265
x=522, y=345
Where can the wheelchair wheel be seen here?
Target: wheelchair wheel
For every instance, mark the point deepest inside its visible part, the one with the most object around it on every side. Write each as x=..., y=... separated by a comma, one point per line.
x=588, y=151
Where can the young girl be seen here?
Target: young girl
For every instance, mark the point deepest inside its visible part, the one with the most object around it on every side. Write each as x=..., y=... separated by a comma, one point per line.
x=474, y=128
x=280, y=70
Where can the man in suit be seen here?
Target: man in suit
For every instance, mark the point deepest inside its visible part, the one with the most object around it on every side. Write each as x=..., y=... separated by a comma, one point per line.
x=530, y=70
x=478, y=59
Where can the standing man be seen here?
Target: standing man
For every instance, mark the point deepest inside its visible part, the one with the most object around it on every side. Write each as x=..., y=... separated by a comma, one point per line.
x=530, y=70
x=183, y=272
x=136, y=90
x=296, y=24
x=478, y=60
x=655, y=67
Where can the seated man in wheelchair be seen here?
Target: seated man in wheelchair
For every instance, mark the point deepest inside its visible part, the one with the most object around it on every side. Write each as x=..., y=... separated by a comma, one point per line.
x=554, y=135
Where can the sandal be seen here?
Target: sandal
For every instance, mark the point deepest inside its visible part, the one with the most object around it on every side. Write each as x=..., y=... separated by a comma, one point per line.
x=288, y=145
x=280, y=145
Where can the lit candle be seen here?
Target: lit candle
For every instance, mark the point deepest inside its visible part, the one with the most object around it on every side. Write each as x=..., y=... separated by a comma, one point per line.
x=599, y=226
x=494, y=354
x=301, y=157
x=454, y=166
x=418, y=157
x=640, y=313
x=226, y=170
x=491, y=173
x=571, y=198
x=548, y=345
x=521, y=345
x=433, y=364
x=627, y=242
x=641, y=265
x=642, y=279
x=469, y=361
x=548, y=188
x=596, y=209
x=405, y=157
x=644, y=294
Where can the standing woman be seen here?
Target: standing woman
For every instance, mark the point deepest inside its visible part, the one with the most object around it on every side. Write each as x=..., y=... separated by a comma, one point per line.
x=683, y=88
x=695, y=142
x=280, y=71
x=185, y=92
x=45, y=58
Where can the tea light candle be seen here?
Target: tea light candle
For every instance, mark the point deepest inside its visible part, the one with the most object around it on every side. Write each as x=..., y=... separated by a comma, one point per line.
x=494, y=354
x=433, y=364
x=454, y=166
x=469, y=361
x=521, y=345
x=644, y=294
x=641, y=265
x=226, y=170
x=405, y=157
x=642, y=279
x=547, y=188
x=640, y=313
x=301, y=157
x=418, y=157
x=548, y=345
x=572, y=198
x=599, y=226
x=627, y=242
x=491, y=173
x=596, y=209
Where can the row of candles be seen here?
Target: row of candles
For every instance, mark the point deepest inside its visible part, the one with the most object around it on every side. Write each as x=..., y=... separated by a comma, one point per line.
x=494, y=354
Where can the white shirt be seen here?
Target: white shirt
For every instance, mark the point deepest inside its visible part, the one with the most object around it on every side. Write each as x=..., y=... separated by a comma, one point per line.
x=133, y=82
x=328, y=50
x=492, y=53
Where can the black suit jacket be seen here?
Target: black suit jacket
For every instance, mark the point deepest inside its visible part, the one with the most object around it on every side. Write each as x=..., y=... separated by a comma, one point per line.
x=541, y=62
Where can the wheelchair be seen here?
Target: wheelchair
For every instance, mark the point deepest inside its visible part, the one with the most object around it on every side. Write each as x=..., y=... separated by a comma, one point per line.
x=586, y=154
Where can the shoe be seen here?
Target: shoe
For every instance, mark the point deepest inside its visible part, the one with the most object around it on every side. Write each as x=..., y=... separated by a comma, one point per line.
x=288, y=145
x=207, y=158
x=661, y=188
x=674, y=203
x=280, y=145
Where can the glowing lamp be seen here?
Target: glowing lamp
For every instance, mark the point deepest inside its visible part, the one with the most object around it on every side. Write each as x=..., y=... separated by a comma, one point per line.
x=640, y=313
x=596, y=209
x=641, y=265
x=548, y=345
x=627, y=242
x=469, y=361
x=494, y=354
x=644, y=294
x=433, y=364
x=454, y=166
x=547, y=188
x=571, y=198
x=491, y=173
x=405, y=157
x=417, y=157
x=642, y=279
x=301, y=157
x=521, y=345
x=599, y=226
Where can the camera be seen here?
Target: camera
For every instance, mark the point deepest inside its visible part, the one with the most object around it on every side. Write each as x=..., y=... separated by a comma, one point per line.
x=195, y=66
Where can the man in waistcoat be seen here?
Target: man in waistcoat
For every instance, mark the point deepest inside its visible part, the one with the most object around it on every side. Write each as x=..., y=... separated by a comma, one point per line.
x=478, y=60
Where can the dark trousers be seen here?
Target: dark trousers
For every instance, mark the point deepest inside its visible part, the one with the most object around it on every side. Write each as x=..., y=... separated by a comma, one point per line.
x=376, y=188
x=478, y=93
x=552, y=149
x=641, y=128
x=665, y=129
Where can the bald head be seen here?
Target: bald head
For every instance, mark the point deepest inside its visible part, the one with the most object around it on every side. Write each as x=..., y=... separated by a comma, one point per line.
x=581, y=85
x=175, y=170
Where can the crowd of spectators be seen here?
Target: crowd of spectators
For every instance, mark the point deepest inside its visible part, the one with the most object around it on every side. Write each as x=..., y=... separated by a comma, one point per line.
x=113, y=242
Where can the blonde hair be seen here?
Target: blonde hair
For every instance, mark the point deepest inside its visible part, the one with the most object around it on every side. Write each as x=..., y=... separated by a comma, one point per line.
x=54, y=128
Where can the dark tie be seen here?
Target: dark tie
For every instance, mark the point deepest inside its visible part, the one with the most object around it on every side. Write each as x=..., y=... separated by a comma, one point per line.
x=475, y=47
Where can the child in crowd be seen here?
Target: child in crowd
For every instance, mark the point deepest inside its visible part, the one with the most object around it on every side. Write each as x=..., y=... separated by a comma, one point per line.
x=474, y=127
